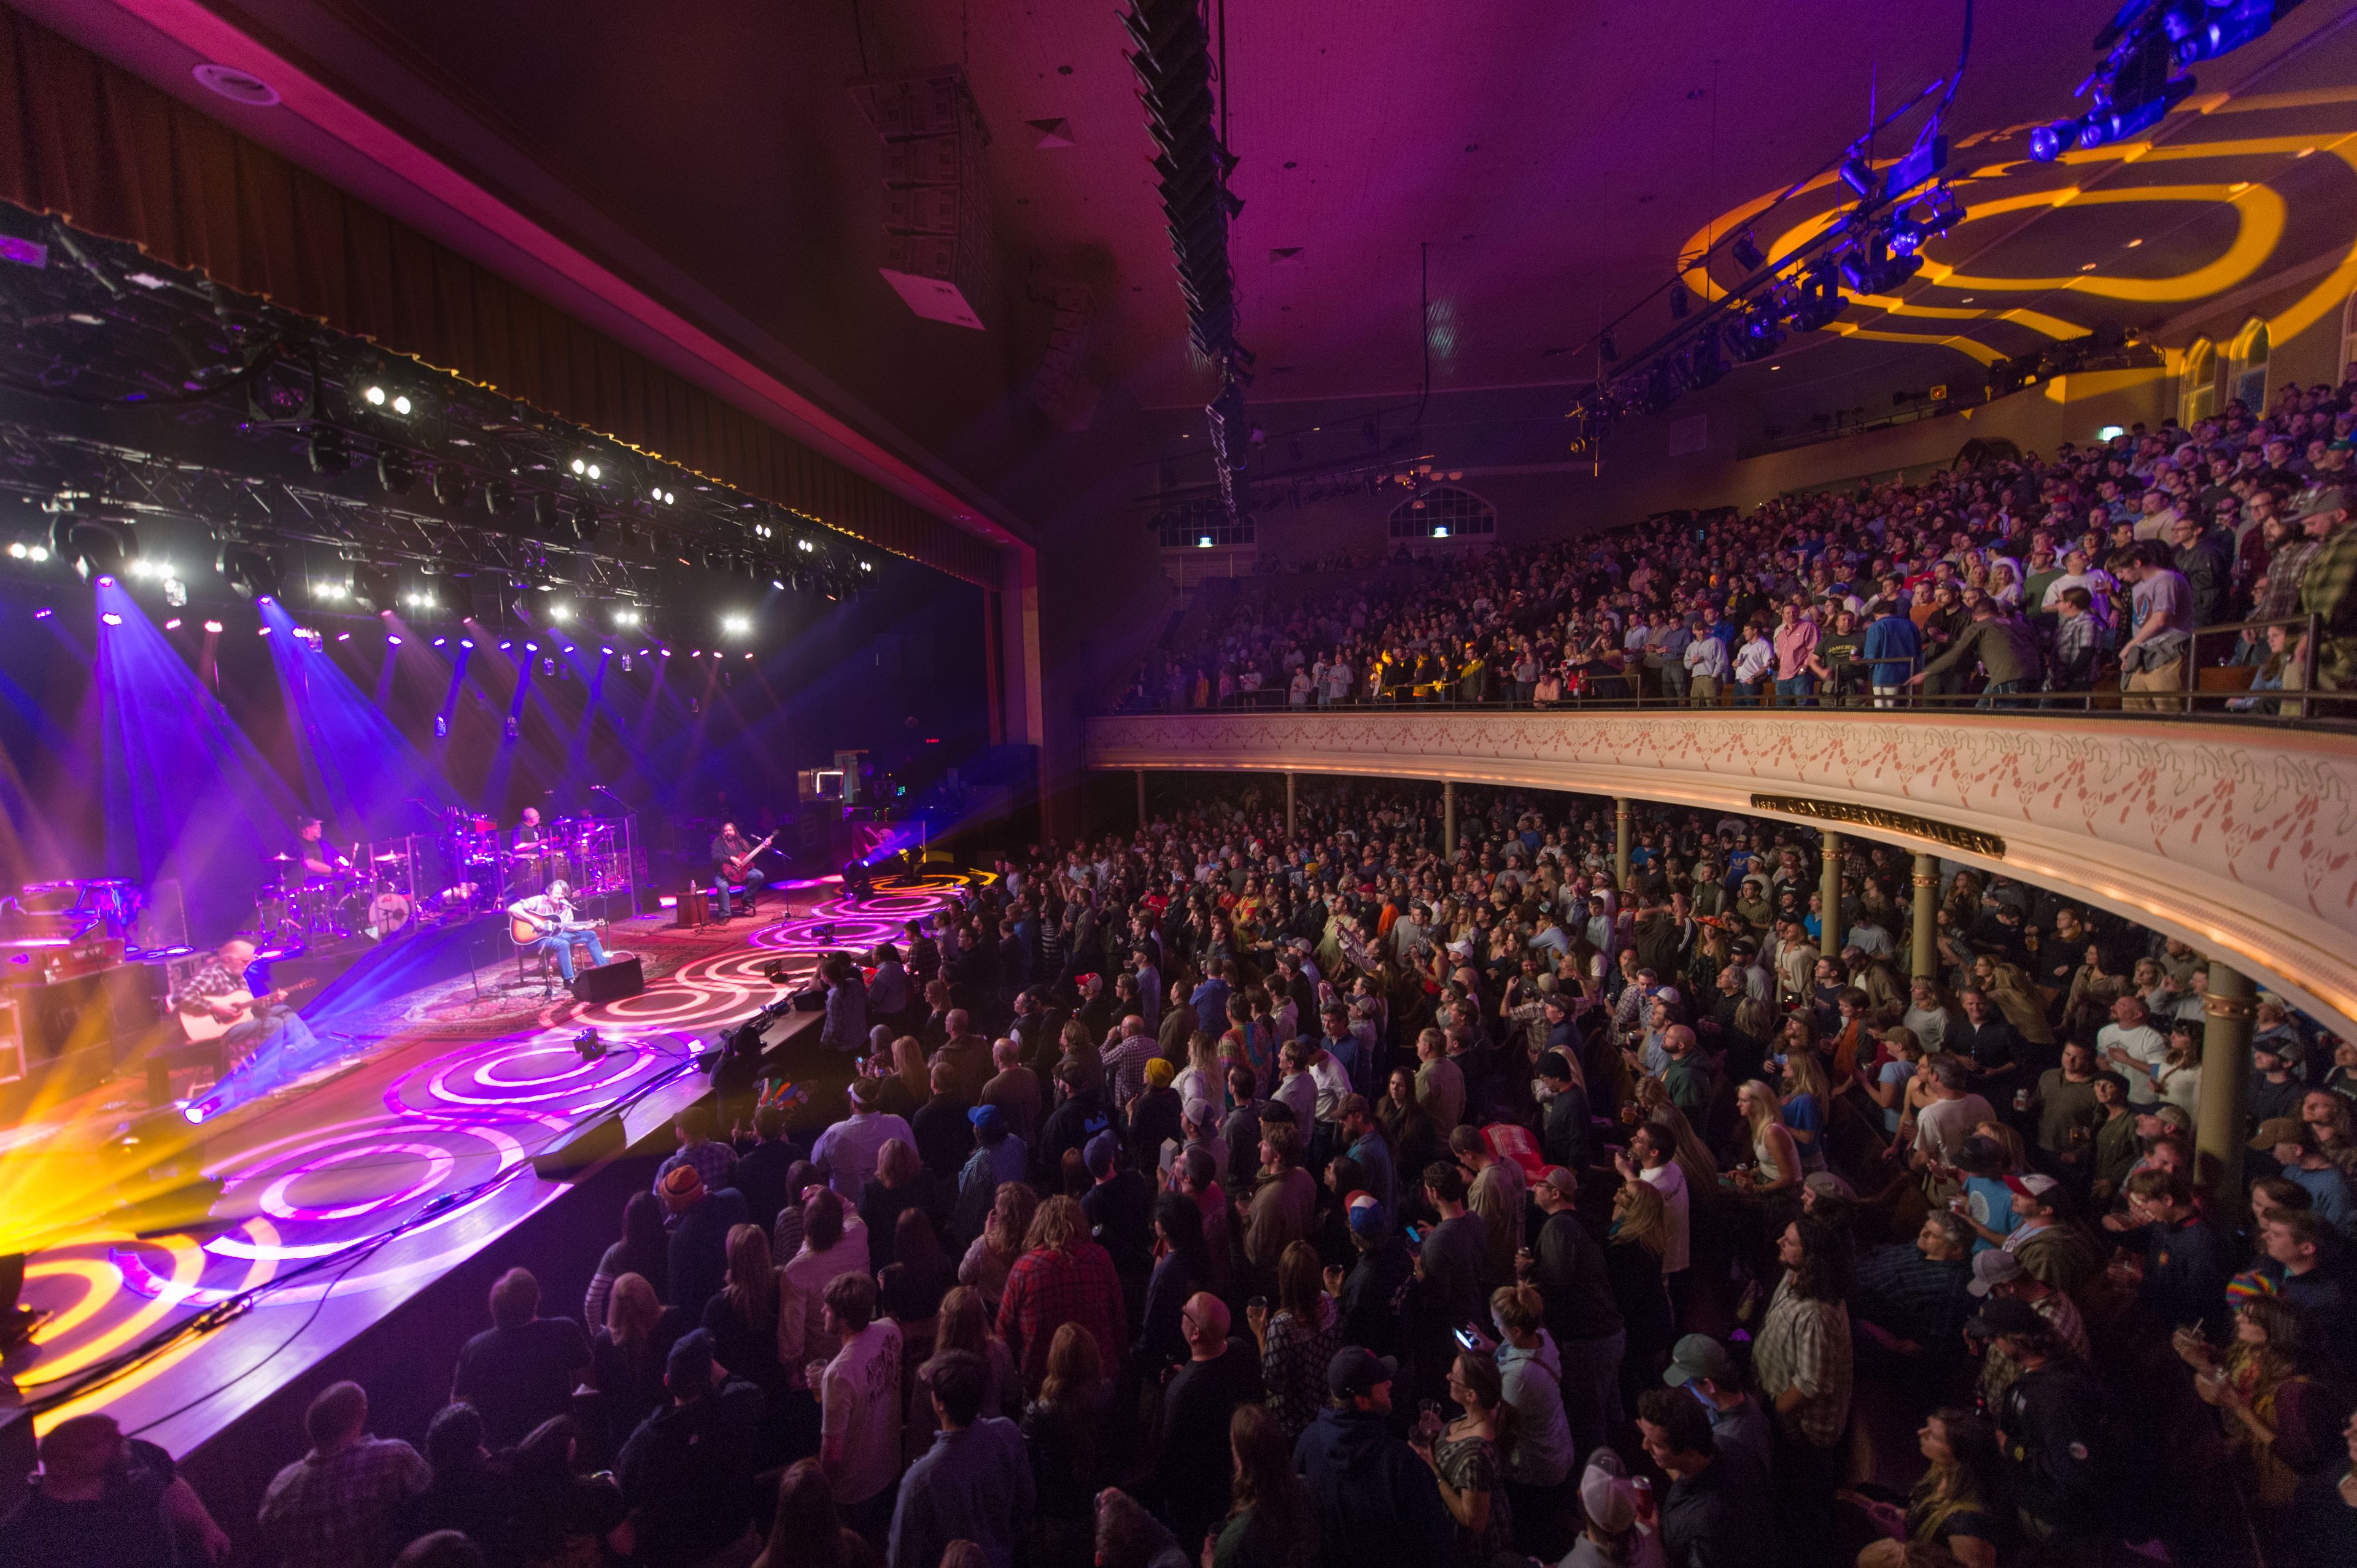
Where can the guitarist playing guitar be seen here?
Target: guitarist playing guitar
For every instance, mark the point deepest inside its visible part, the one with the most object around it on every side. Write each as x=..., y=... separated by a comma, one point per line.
x=732, y=860
x=215, y=1002
x=545, y=921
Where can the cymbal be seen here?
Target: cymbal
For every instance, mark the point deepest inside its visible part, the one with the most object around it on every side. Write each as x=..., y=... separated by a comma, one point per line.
x=282, y=855
x=388, y=859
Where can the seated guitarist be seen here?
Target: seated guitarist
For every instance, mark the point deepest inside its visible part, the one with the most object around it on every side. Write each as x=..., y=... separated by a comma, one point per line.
x=550, y=911
x=264, y=1025
x=730, y=845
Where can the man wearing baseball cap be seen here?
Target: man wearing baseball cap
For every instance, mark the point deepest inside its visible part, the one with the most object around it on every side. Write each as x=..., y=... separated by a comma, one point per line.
x=2327, y=1190
x=2052, y=1417
x=1377, y=1501
x=1999, y=1274
x=1701, y=1366
x=2050, y=1246
x=2327, y=588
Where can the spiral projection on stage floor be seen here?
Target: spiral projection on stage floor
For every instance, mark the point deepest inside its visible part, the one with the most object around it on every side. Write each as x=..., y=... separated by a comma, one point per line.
x=457, y=1127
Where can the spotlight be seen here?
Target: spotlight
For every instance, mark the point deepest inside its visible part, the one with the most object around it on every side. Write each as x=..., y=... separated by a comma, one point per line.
x=1748, y=255
x=374, y=396
x=735, y=626
x=94, y=546
x=44, y=613
x=466, y=642
x=330, y=450
x=374, y=587
x=401, y=403
x=585, y=519
x=395, y=472
x=252, y=570
x=586, y=469
x=110, y=619
x=449, y=486
x=212, y=629
x=17, y=551
x=512, y=729
x=871, y=566
x=547, y=514
x=560, y=612
x=1858, y=175
x=393, y=639
x=172, y=624
x=441, y=726
x=499, y=498
x=176, y=592
x=588, y=1046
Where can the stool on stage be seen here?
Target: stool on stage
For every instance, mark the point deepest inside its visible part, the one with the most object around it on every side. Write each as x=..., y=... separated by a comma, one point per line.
x=539, y=960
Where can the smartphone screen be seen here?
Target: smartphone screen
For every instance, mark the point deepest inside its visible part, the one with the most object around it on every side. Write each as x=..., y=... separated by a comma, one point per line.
x=1415, y=1234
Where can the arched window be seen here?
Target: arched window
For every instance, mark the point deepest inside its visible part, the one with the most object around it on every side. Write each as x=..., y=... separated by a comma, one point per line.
x=2198, y=391
x=2247, y=373
x=1443, y=511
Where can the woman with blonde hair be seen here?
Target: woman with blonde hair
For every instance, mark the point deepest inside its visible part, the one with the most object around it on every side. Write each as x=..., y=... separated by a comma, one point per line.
x=1807, y=1105
x=1931, y=1012
x=1633, y=1264
x=2016, y=996
x=1775, y=1170
x=961, y=1323
x=993, y=1251
x=626, y=1358
x=1530, y=1374
x=1202, y=1077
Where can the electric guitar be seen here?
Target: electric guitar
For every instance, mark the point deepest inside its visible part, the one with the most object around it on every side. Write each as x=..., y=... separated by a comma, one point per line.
x=526, y=929
x=744, y=863
x=202, y=1026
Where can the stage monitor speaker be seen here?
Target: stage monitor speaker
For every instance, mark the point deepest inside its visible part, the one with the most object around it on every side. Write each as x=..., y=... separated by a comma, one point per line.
x=603, y=1139
x=610, y=983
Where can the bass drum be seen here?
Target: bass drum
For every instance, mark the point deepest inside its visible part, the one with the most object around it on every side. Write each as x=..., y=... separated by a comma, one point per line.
x=387, y=914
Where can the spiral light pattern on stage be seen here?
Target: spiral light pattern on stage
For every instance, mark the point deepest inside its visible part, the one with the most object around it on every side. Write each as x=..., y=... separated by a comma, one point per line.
x=444, y=1126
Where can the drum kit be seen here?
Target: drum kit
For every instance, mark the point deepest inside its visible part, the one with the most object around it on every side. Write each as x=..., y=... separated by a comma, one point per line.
x=372, y=894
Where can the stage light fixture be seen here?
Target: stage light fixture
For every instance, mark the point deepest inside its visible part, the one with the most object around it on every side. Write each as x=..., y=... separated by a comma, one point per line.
x=1858, y=175
x=110, y=619
x=394, y=471
x=441, y=725
x=44, y=613
x=449, y=486
x=330, y=450
x=402, y=405
x=251, y=571
x=560, y=612
x=172, y=624
x=547, y=515
x=499, y=498
x=393, y=639
x=871, y=566
x=1748, y=255
x=735, y=626
x=373, y=396
x=212, y=629
x=374, y=586
x=804, y=545
x=94, y=546
x=583, y=468
x=585, y=519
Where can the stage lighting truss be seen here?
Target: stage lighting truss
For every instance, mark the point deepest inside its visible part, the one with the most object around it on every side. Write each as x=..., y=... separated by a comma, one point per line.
x=2148, y=47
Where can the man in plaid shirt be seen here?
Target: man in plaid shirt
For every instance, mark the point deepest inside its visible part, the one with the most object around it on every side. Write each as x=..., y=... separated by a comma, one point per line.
x=1125, y=1058
x=334, y=1507
x=1801, y=1360
x=2327, y=587
x=1064, y=1278
x=713, y=1161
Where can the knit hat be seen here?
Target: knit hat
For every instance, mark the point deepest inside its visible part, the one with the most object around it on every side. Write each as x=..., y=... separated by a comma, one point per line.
x=1159, y=1072
x=683, y=1183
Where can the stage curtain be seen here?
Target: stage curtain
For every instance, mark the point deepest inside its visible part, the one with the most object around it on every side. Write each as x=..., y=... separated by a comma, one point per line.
x=89, y=142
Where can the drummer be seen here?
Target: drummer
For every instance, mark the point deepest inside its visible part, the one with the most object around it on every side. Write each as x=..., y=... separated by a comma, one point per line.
x=314, y=857
x=539, y=852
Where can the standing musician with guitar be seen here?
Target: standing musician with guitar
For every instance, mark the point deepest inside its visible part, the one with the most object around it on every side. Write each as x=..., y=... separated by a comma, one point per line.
x=546, y=923
x=732, y=859
x=217, y=995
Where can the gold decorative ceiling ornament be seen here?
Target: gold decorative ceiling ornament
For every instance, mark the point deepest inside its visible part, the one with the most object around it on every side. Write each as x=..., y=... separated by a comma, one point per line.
x=1903, y=822
x=2013, y=184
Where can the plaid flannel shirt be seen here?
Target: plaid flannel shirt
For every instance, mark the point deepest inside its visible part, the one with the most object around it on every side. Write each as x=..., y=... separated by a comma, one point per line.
x=337, y=1511
x=1806, y=1345
x=1051, y=1286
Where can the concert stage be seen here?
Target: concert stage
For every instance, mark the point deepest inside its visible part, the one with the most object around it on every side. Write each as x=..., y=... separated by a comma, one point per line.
x=343, y=1197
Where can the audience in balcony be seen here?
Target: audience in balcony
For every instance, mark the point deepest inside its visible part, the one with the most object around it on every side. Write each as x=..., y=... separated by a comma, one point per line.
x=2086, y=570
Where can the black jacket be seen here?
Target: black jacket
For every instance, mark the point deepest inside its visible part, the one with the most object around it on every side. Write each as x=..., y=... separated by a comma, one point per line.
x=687, y=1474
x=1377, y=1502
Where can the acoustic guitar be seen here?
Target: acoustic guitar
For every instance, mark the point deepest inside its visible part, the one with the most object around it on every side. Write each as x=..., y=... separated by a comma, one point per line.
x=526, y=929
x=206, y=1025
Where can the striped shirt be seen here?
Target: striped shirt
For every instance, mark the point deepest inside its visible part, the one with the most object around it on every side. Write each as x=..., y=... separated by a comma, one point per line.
x=1804, y=1344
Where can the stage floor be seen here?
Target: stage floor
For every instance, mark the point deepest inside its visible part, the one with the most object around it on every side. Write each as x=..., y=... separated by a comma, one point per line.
x=428, y=1130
